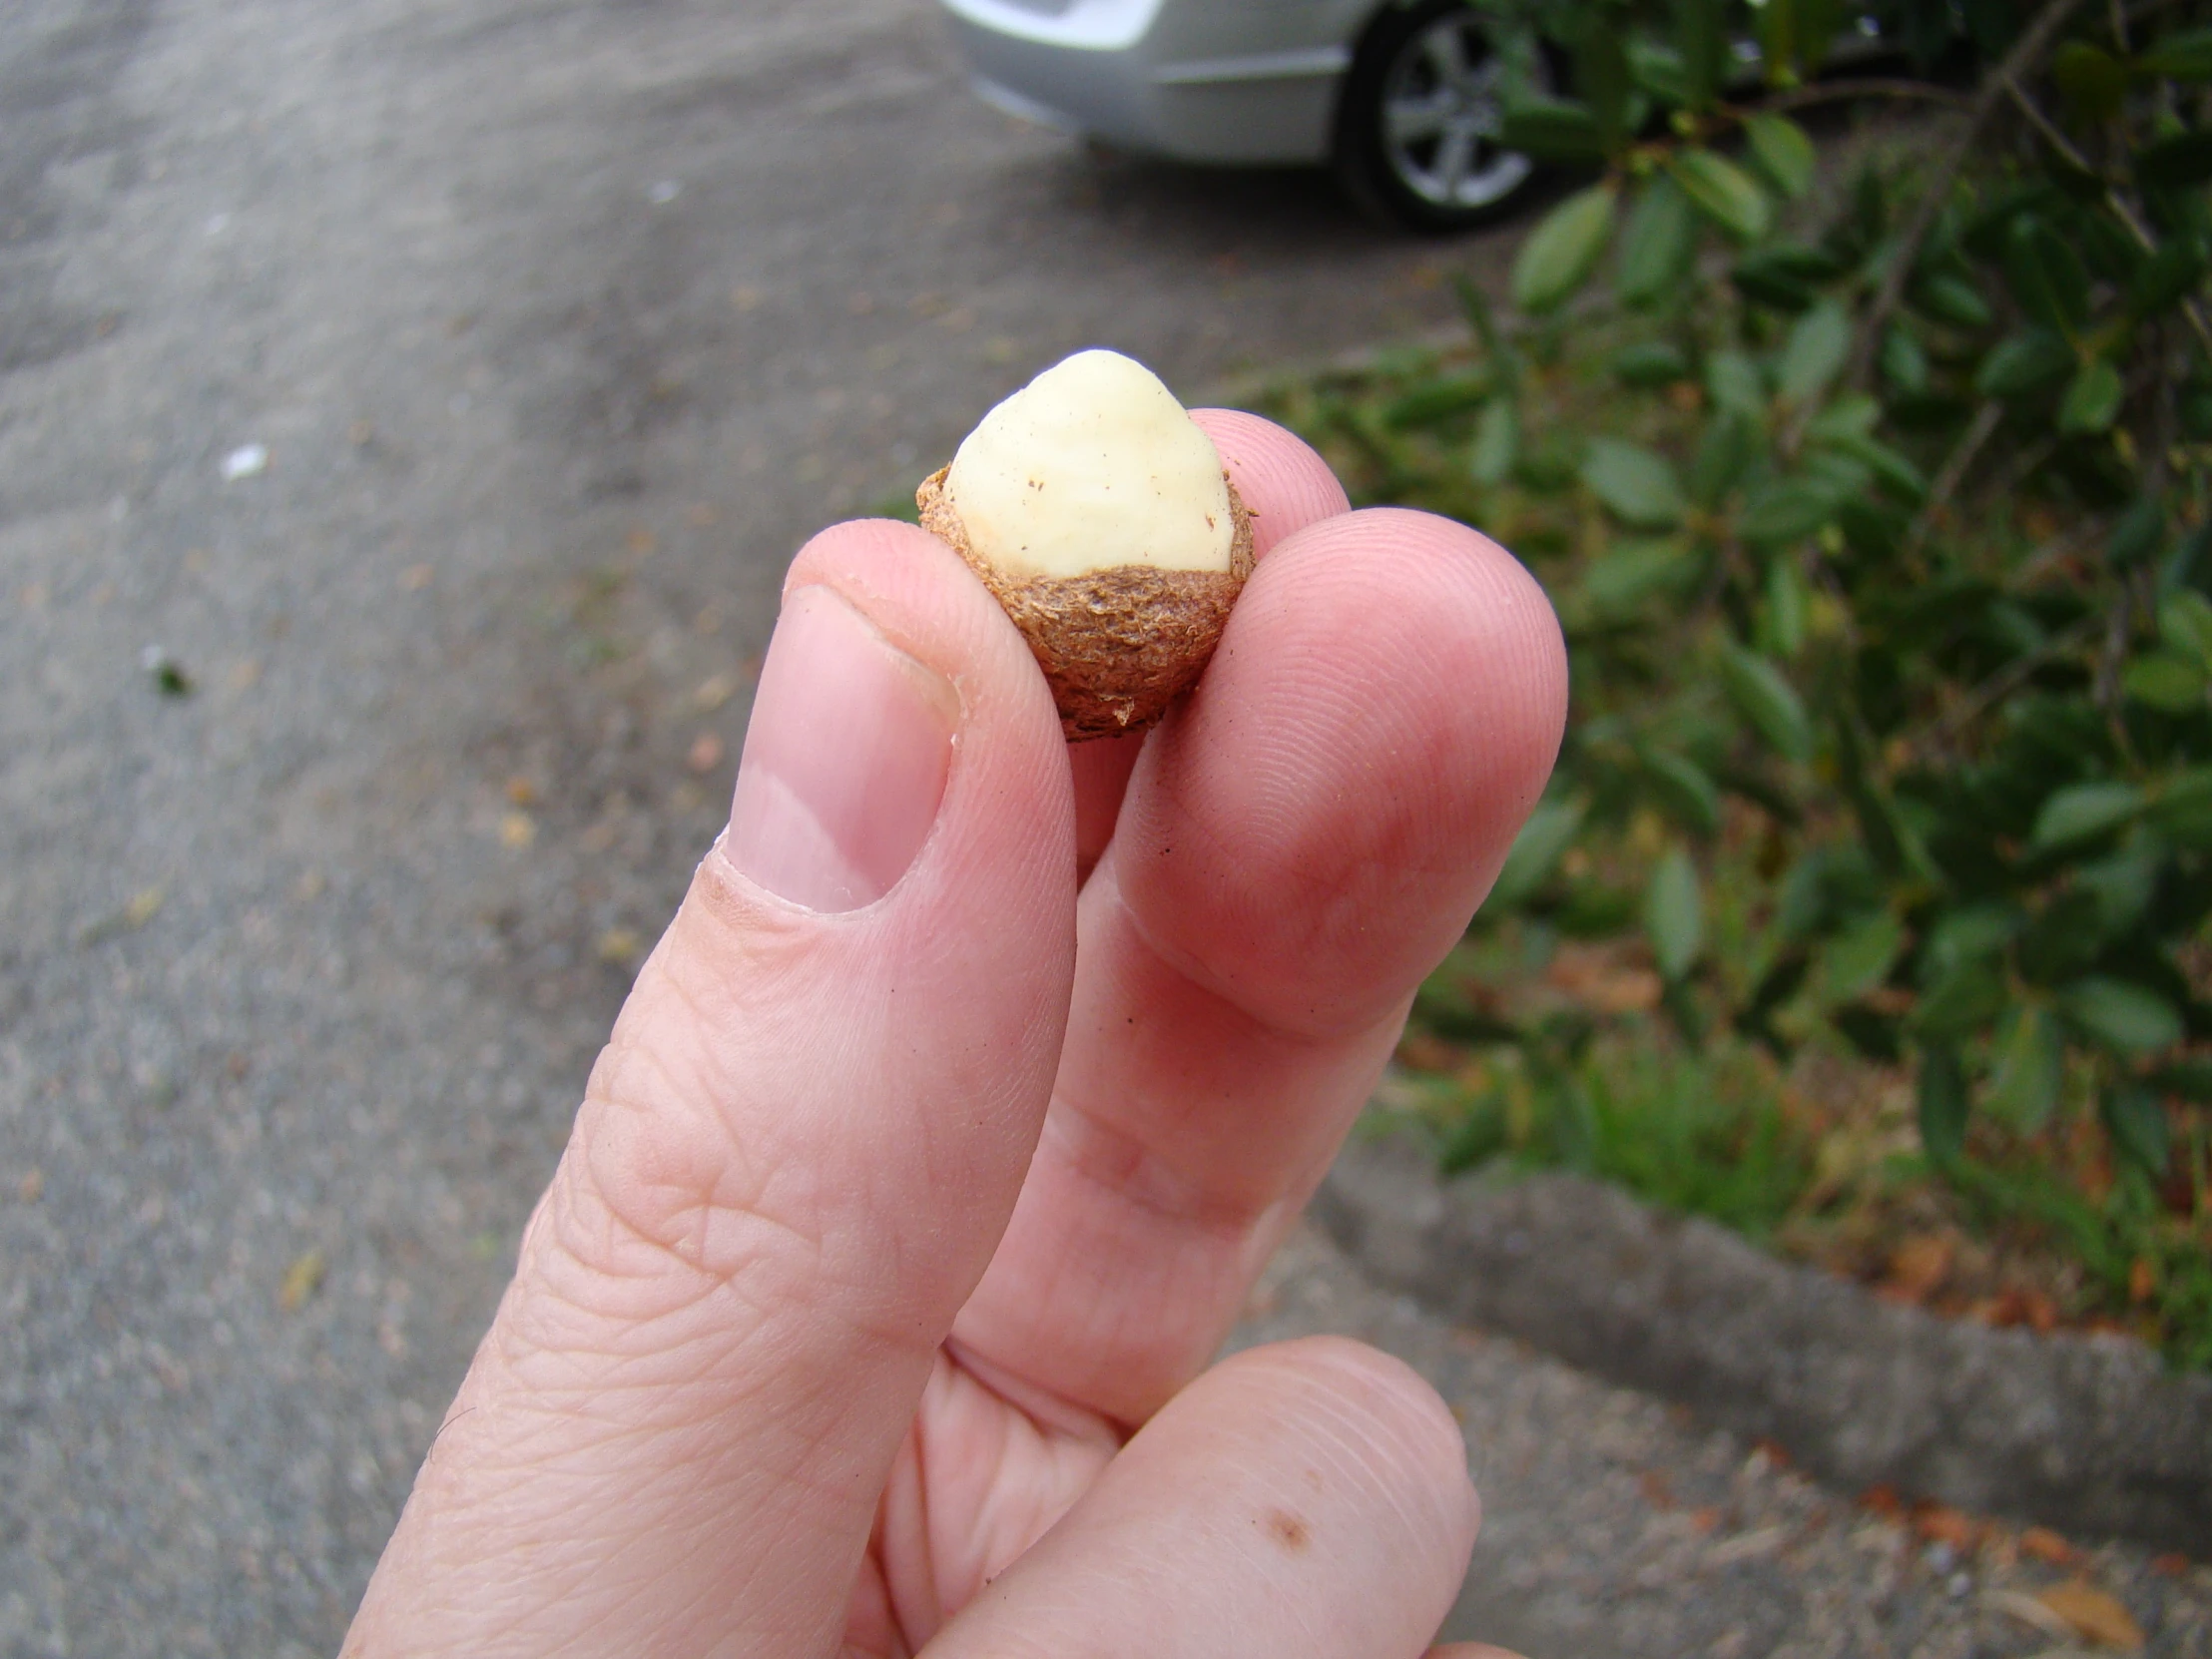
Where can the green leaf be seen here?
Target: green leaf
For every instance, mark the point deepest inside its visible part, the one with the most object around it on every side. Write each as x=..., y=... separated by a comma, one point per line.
x=1601, y=76
x=1685, y=790
x=1903, y=363
x=1674, y=914
x=2091, y=79
x=2119, y=887
x=1437, y=400
x=2124, y=1017
x=2176, y=163
x=1552, y=129
x=2185, y=624
x=1558, y=256
x=1637, y=486
x=1819, y=342
x=1497, y=443
x=2135, y=1117
x=1785, y=510
x=1902, y=478
x=1657, y=243
x=1632, y=571
x=1961, y=1002
x=2023, y=363
x=1768, y=702
x=2046, y=274
x=1849, y=417
x=2093, y=400
x=1535, y=852
x=1787, y=600
x=1733, y=382
x=1784, y=275
x=1730, y=447
x=1857, y=959
x=2167, y=279
x=2183, y=811
x=2081, y=813
x=1657, y=69
x=1943, y=1106
x=1701, y=36
x=1651, y=363
x=1953, y=300
x=2189, y=1077
x=1783, y=152
x=2030, y=1068
x=2165, y=681
x=1475, y=306
x=1723, y=191
x=2139, y=534
x=1968, y=935
x=2185, y=55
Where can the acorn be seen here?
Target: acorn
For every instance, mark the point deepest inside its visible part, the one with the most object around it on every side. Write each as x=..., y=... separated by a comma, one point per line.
x=1099, y=515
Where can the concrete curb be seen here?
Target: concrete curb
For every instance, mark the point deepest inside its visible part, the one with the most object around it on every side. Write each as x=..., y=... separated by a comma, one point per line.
x=2087, y=1435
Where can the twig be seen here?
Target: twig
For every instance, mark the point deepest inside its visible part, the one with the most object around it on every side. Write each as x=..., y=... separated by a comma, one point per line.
x=2026, y=51
x=1843, y=92
x=1953, y=474
x=2061, y=546
x=2000, y=684
x=2121, y=208
x=2119, y=629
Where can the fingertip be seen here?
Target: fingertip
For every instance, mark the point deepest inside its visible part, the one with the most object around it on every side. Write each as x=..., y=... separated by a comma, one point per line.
x=1313, y=829
x=1281, y=477
x=1490, y=593
x=1411, y=1438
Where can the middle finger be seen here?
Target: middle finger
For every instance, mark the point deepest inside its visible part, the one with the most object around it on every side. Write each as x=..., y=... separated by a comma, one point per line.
x=1299, y=846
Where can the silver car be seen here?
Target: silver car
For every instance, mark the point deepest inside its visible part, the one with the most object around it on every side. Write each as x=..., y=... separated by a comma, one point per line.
x=1401, y=97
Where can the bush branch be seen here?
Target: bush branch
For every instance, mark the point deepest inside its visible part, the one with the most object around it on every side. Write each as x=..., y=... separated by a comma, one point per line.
x=2029, y=47
x=1844, y=92
x=2122, y=209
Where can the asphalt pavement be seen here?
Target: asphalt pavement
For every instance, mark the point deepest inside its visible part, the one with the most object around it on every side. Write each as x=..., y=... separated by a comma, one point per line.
x=406, y=412
x=433, y=393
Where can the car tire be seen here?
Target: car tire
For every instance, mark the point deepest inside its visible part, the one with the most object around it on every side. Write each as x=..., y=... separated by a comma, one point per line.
x=1416, y=117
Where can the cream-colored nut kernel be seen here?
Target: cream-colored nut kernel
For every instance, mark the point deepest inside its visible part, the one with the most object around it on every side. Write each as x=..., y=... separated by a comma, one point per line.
x=1097, y=512
x=1093, y=463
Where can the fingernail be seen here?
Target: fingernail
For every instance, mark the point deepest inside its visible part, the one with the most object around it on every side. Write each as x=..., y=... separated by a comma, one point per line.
x=845, y=760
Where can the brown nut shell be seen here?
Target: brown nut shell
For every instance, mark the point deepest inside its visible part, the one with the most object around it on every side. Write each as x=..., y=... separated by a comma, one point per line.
x=1117, y=644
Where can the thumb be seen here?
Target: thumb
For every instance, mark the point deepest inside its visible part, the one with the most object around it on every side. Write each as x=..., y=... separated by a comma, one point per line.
x=792, y=1161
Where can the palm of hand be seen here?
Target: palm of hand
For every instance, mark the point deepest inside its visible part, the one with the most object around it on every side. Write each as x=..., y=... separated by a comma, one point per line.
x=889, y=1220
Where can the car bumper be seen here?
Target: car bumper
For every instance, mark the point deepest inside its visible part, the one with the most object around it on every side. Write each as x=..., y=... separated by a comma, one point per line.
x=1128, y=72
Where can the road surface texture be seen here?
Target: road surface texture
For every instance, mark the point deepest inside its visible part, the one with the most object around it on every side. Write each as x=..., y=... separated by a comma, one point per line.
x=406, y=410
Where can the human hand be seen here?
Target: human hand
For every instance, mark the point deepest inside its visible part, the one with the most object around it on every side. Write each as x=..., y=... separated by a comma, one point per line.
x=871, y=1302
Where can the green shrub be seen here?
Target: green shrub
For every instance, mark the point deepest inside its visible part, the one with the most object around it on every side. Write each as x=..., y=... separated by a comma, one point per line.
x=1875, y=511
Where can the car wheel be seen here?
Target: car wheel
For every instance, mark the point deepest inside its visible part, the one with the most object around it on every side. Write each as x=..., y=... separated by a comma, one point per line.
x=1419, y=117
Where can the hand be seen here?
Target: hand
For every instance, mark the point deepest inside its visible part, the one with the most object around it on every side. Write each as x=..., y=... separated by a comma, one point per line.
x=872, y=1300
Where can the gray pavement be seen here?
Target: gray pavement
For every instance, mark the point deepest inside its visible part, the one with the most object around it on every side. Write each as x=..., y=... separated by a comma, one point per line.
x=559, y=323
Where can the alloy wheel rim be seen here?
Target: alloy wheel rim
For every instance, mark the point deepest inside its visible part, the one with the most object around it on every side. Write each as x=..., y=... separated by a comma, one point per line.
x=1441, y=114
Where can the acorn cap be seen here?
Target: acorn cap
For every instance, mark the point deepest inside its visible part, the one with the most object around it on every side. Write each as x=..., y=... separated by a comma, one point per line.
x=1117, y=644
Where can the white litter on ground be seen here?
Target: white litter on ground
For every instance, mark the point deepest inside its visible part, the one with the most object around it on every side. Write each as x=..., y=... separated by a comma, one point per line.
x=248, y=460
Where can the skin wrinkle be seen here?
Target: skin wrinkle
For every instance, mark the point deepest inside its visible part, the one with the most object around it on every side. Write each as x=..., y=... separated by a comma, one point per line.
x=1341, y=1066
x=811, y=1068
x=704, y=1080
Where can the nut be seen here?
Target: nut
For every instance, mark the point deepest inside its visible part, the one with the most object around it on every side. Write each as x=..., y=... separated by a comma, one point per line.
x=1098, y=514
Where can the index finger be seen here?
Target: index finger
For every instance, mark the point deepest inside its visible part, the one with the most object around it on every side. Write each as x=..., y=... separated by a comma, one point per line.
x=1300, y=844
